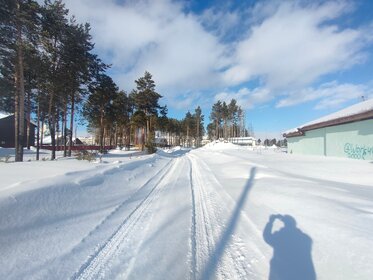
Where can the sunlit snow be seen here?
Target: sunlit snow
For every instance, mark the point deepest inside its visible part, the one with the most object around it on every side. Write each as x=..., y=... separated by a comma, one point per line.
x=218, y=212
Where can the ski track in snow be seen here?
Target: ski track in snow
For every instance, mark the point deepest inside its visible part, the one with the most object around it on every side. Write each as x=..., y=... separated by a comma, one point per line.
x=98, y=263
x=207, y=229
x=212, y=257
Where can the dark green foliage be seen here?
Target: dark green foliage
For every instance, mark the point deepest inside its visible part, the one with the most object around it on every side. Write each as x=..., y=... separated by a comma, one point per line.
x=150, y=146
x=227, y=120
x=145, y=97
x=139, y=119
x=99, y=109
x=199, y=118
x=146, y=100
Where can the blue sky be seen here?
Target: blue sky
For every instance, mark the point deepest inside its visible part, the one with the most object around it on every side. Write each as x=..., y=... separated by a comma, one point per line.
x=286, y=62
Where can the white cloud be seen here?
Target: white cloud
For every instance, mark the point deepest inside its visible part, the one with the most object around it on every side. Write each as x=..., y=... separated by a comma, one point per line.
x=328, y=95
x=296, y=45
x=245, y=97
x=286, y=45
x=156, y=36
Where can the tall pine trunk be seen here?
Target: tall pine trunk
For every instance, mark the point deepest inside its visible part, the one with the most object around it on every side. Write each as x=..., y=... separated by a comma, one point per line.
x=52, y=130
x=71, y=122
x=16, y=117
x=197, y=142
x=19, y=120
x=51, y=124
x=38, y=131
x=102, y=131
x=42, y=130
x=28, y=120
x=64, y=129
x=143, y=139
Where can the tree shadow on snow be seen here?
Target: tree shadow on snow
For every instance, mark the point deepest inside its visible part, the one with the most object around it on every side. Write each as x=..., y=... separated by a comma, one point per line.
x=210, y=268
x=292, y=248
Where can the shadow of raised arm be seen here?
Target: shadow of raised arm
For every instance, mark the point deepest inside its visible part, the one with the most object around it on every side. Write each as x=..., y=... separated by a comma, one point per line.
x=292, y=248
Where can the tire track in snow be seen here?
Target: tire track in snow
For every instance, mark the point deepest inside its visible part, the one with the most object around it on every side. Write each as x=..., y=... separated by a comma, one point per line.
x=96, y=264
x=120, y=206
x=202, y=231
x=240, y=241
x=207, y=229
x=194, y=229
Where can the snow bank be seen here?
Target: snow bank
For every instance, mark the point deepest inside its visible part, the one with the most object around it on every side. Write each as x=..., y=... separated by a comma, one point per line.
x=173, y=152
x=220, y=145
x=272, y=147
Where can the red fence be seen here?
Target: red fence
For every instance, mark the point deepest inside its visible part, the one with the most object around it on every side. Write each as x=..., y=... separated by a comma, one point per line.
x=77, y=148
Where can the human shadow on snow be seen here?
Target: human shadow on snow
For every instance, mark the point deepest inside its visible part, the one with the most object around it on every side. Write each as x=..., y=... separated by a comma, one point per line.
x=212, y=264
x=292, y=259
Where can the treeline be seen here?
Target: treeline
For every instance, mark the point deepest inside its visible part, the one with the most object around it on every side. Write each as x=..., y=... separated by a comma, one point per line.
x=187, y=132
x=227, y=121
x=271, y=142
x=48, y=71
x=121, y=119
x=46, y=67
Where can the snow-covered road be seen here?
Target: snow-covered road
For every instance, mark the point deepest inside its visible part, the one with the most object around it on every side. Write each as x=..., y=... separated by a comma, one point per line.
x=209, y=213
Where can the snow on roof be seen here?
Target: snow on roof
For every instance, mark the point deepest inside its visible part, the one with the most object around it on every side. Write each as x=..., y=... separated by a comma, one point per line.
x=356, y=109
x=3, y=115
x=243, y=138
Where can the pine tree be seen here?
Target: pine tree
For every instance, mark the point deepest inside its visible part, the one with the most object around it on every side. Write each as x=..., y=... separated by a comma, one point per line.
x=216, y=118
x=162, y=120
x=75, y=64
x=97, y=109
x=199, y=125
x=18, y=28
x=188, y=127
x=54, y=26
x=233, y=117
x=146, y=99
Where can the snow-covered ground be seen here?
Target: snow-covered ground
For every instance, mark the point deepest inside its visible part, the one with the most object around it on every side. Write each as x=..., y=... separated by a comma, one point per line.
x=218, y=212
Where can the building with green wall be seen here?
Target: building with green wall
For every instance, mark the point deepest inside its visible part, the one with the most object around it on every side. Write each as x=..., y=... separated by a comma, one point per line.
x=346, y=133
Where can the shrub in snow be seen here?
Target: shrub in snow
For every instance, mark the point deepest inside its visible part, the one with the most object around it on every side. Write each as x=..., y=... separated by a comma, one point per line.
x=86, y=155
x=5, y=159
x=150, y=146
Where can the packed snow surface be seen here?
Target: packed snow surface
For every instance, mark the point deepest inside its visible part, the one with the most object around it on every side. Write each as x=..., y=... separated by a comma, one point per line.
x=218, y=212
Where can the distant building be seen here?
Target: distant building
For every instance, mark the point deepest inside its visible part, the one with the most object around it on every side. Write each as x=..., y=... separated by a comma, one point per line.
x=205, y=140
x=244, y=141
x=346, y=133
x=7, y=132
x=78, y=142
x=160, y=139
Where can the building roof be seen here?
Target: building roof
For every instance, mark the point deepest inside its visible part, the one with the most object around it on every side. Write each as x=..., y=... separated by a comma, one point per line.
x=4, y=115
x=243, y=138
x=358, y=112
